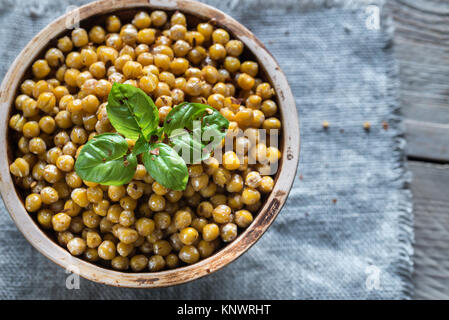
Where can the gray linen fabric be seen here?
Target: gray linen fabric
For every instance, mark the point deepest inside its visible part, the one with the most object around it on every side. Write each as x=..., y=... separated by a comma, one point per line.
x=346, y=231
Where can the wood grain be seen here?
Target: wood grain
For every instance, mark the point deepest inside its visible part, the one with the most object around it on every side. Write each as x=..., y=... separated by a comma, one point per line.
x=421, y=46
x=427, y=140
x=92, y=13
x=431, y=203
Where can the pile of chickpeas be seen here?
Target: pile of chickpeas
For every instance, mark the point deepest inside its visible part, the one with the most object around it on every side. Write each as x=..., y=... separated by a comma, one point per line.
x=141, y=226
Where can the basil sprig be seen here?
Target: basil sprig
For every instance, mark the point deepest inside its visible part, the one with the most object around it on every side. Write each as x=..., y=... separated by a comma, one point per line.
x=108, y=160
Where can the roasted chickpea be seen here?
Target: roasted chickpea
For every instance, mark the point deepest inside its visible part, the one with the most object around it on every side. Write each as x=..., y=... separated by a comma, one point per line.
x=37, y=146
x=132, y=70
x=138, y=263
x=156, y=263
x=41, y=69
x=44, y=217
x=271, y=123
x=189, y=254
x=74, y=61
x=120, y=263
x=91, y=255
x=236, y=184
x=217, y=51
x=33, y=202
x=162, y=248
x=61, y=221
x=172, y=260
x=269, y=108
x=107, y=250
x=76, y=246
x=79, y=196
x=78, y=135
x=20, y=168
x=206, y=248
x=220, y=36
x=113, y=24
x=80, y=37
x=205, y=29
x=129, y=34
x=267, y=184
x=245, y=81
x=158, y=18
x=148, y=83
x=65, y=44
x=115, y=193
x=182, y=219
x=47, y=124
x=17, y=122
x=234, y=48
x=156, y=202
x=145, y=226
x=188, y=235
x=49, y=195
x=97, y=34
x=228, y=232
x=231, y=161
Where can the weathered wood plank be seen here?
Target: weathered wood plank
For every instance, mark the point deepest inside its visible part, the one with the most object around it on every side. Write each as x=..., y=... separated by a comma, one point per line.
x=422, y=49
x=431, y=208
x=421, y=46
x=427, y=140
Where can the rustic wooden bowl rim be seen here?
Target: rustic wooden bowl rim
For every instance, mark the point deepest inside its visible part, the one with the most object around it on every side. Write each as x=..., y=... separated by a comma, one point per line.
x=270, y=209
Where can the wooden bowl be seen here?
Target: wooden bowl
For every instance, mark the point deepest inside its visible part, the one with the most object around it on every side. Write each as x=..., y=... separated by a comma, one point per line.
x=289, y=145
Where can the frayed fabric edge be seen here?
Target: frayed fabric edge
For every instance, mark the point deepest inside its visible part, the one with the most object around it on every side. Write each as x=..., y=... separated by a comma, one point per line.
x=404, y=178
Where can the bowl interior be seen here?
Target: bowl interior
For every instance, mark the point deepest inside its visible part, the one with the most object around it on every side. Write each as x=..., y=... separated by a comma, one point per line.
x=272, y=203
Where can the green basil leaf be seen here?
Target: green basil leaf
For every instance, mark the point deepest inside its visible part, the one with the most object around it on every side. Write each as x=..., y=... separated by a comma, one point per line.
x=103, y=160
x=166, y=166
x=182, y=117
x=132, y=112
x=141, y=146
x=190, y=149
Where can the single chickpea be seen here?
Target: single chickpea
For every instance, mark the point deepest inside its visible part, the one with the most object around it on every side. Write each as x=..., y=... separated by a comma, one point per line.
x=156, y=263
x=61, y=221
x=107, y=250
x=33, y=202
x=156, y=202
x=138, y=262
x=49, y=195
x=20, y=168
x=189, y=254
x=228, y=232
x=188, y=235
x=76, y=246
x=231, y=161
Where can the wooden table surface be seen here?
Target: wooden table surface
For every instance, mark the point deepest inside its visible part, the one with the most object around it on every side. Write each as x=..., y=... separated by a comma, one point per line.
x=422, y=49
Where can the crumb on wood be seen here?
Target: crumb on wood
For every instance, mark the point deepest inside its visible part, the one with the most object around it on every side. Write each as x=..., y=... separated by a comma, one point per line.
x=385, y=125
x=334, y=201
x=325, y=124
x=300, y=177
